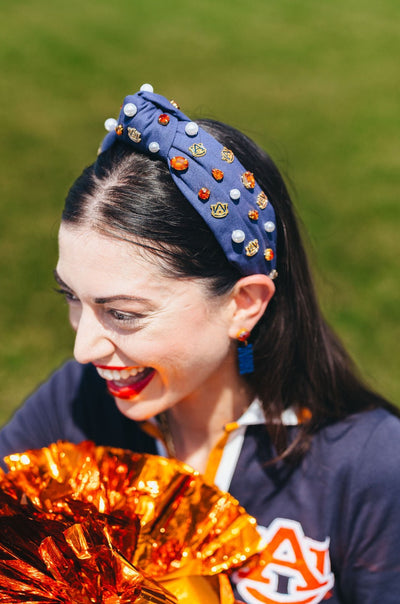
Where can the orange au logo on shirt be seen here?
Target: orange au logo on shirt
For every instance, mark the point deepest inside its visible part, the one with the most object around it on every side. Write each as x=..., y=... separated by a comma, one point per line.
x=293, y=569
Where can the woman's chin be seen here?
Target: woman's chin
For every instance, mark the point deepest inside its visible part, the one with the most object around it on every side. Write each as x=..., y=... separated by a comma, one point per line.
x=138, y=409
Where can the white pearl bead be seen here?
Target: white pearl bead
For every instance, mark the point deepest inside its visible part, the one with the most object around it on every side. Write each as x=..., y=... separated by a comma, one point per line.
x=269, y=226
x=234, y=194
x=238, y=236
x=130, y=109
x=191, y=129
x=147, y=88
x=110, y=124
x=154, y=147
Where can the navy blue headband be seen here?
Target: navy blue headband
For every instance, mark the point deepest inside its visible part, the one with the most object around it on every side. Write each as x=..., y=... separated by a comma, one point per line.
x=208, y=174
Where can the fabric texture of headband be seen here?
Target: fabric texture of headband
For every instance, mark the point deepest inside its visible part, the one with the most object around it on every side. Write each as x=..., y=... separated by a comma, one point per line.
x=208, y=174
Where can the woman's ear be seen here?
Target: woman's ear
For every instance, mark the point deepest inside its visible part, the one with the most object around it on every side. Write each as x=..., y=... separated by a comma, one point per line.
x=249, y=299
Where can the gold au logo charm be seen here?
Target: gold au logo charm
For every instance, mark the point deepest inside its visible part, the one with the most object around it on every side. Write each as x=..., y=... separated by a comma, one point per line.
x=197, y=150
x=227, y=155
x=252, y=248
x=262, y=200
x=219, y=210
x=134, y=135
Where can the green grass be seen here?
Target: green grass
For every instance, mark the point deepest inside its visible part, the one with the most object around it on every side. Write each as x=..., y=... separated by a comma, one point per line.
x=314, y=81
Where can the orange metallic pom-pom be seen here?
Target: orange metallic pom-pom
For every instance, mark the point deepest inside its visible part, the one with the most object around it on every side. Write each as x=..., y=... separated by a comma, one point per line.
x=81, y=523
x=179, y=163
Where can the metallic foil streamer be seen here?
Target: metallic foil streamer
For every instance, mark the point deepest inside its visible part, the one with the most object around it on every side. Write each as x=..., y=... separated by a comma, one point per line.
x=116, y=523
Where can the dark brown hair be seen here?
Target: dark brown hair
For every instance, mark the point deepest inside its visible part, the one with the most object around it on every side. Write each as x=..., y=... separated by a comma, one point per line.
x=299, y=361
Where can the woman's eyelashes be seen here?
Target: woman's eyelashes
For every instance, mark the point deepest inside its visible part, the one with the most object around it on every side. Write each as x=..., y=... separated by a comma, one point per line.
x=129, y=319
x=121, y=318
x=67, y=294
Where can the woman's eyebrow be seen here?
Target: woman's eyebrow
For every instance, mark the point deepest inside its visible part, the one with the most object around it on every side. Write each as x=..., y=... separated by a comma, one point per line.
x=60, y=282
x=120, y=298
x=106, y=299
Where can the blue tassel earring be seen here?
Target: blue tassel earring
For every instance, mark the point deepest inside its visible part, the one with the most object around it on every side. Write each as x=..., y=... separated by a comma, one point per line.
x=245, y=353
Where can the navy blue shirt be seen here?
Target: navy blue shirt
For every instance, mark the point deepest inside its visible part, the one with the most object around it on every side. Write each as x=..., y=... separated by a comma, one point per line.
x=331, y=526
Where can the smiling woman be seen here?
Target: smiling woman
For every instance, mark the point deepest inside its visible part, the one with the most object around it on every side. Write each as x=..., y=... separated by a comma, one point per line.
x=199, y=336
x=157, y=342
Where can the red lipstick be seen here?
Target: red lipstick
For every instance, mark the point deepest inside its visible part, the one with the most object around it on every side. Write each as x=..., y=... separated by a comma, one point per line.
x=131, y=390
x=114, y=368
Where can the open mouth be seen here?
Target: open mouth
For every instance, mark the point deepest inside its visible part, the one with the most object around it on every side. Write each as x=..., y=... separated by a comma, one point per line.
x=127, y=382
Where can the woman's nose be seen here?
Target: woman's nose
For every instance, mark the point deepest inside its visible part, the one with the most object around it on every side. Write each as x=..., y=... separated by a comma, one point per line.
x=91, y=341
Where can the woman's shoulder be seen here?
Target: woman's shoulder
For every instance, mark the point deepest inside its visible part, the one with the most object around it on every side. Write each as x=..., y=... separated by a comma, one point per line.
x=366, y=428
x=74, y=373
x=57, y=410
x=70, y=382
x=365, y=444
x=74, y=405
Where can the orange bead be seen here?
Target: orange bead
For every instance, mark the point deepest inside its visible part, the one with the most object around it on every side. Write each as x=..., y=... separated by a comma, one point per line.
x=243, y=335
x=248, y=180
x=179, y=163
x=119, y=129
x=163, y=119
x=253, y=214
x=217, y=174
x=204, y=194
x=269, y=254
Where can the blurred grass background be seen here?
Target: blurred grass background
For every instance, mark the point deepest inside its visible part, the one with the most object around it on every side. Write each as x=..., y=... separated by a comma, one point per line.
x=313, y=81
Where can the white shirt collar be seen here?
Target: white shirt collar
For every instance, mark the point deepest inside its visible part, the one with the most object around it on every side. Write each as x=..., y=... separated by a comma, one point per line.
x=254, y=415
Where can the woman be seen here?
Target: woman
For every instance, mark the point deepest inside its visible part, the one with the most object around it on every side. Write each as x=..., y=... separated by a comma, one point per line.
x=191, y=298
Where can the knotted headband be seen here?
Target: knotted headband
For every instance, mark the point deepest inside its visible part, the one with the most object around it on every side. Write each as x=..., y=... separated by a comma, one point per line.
x=208, y=174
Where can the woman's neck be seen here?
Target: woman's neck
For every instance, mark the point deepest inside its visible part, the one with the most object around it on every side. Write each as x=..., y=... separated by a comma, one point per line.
x=195, y=427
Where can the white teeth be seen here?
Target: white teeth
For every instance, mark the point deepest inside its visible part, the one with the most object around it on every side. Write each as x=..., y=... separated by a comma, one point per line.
x=118, y=374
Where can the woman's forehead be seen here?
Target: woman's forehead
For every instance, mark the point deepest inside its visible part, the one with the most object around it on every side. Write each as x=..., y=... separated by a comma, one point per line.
x=107, y=266
x=84, y=249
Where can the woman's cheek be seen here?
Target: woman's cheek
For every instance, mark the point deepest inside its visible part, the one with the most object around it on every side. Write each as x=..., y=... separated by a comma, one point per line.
x=74, y=314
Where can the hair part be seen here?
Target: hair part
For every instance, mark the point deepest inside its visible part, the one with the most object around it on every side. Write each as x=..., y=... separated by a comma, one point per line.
x=299, y=361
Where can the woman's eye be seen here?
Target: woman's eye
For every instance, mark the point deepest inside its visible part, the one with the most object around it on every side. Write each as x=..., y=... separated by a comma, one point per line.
x=120, y=316
x=125, y=317
x=69, y=296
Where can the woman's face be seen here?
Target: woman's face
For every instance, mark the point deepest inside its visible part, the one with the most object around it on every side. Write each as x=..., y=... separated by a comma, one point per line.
x=158, y=341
